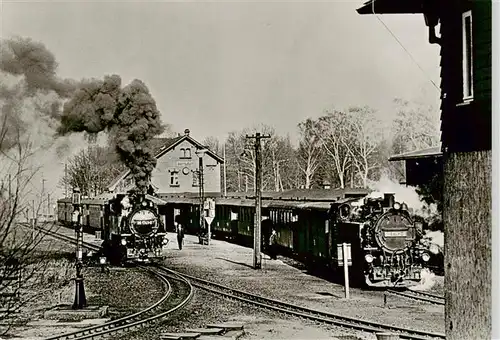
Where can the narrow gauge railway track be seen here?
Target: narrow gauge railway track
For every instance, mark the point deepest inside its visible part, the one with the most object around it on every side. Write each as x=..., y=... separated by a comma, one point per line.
x=419, y=296
x=183, y=295
x=307, y=313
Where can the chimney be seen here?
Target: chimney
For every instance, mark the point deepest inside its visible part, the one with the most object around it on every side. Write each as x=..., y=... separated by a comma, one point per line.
x=186, y=132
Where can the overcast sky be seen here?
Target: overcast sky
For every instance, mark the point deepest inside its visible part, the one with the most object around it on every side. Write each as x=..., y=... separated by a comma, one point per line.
x=222, y=66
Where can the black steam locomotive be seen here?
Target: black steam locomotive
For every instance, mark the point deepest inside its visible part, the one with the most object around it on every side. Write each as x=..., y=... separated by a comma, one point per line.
x=386, y=243
x=133, y=230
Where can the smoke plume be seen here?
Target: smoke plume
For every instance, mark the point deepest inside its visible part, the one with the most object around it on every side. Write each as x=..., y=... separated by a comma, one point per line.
x=30, y=83
x=128, y=114
x=33, y=61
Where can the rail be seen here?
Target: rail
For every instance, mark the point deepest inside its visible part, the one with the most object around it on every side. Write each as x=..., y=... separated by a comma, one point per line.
x=307, y=313
x=419, y=296
x=129, y=322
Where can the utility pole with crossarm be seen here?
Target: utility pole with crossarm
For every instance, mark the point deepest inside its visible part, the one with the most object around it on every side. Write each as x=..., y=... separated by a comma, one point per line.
x=257, y=263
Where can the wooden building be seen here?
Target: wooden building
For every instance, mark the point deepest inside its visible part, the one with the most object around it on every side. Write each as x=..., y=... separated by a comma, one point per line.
x=421, y=166
x=465, y=40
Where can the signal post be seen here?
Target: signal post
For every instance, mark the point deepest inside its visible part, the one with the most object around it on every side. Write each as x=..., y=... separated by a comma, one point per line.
x=257, y=261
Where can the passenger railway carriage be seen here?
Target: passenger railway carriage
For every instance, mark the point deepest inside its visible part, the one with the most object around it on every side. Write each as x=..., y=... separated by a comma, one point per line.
x=385, y=241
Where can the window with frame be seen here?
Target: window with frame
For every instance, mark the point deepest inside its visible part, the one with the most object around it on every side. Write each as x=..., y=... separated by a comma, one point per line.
x=467, y=57
x=186, y=153
x=174, y=178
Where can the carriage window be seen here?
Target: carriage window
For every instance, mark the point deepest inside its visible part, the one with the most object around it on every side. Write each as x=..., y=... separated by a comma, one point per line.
x=174, y=178
x=467, y=60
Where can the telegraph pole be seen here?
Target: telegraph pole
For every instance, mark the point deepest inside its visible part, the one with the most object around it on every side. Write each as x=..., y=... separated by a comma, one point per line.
x=258, y=199
x=43, y=194
x=66, y=179
x=201, y=188
x=225, y=174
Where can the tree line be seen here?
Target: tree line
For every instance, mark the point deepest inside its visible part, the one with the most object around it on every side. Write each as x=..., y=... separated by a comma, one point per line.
x=341, y=148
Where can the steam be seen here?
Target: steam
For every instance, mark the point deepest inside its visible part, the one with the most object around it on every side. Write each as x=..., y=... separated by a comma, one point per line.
x=436, y=241
x=30, y=83
x=427, y=281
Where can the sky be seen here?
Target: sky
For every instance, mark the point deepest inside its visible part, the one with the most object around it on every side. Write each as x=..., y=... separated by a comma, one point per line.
x=216, y=67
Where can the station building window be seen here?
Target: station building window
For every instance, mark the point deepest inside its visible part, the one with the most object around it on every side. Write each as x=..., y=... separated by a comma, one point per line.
x=467, y=56
x=186, y=153
x=174, y=178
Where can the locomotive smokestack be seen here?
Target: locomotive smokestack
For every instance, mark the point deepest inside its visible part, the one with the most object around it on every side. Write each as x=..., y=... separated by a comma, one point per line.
x=389, y=200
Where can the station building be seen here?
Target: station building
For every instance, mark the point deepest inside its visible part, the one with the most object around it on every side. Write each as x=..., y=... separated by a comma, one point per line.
x=178, y=169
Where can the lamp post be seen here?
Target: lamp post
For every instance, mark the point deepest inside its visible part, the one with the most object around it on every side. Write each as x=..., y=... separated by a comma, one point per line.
x=80, y=300
x=201, y=184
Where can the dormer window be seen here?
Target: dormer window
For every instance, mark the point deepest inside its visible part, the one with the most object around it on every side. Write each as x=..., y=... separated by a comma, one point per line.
x=467, y=61
x=186, y=153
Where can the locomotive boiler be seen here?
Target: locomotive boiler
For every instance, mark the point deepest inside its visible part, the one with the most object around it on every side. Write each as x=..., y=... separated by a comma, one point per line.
x=388, y=246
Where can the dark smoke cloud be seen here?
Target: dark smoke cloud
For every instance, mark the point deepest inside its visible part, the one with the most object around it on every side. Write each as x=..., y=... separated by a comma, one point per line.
x=38, y=66
x=128, y=114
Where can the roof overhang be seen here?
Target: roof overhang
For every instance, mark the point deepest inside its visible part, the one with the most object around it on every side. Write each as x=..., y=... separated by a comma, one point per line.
x=434, y=152
x=391, y=7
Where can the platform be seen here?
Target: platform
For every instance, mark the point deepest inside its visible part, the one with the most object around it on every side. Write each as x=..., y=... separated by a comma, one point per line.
x=232, y=265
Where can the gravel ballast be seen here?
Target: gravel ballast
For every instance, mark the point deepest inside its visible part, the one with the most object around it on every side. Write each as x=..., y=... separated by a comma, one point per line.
x=230, y=265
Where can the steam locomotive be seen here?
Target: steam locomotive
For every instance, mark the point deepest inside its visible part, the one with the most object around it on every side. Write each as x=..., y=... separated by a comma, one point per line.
x=133, y=230
x=386, y=241
x=129, y=225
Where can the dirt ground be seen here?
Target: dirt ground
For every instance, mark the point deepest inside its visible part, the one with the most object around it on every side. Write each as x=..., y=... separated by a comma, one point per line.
x=231, y=265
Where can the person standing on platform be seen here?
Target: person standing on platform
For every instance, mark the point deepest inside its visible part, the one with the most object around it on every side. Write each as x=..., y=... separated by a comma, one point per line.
x=272, y=245
x=180, y=233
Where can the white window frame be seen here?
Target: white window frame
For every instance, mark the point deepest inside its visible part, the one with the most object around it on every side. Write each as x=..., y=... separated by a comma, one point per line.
x=466, y=62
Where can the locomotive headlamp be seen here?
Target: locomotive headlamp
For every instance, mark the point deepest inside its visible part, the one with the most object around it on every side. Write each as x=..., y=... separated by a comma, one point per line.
x=124, y=242
x=369, y=258
x=396, y=206
x=144, y=203
x=102, y=260
x=426, y=257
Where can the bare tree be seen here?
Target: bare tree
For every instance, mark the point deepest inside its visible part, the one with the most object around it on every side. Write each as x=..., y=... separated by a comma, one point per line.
x=309, y=151
x=415, y=127
x=24, y=268
x=363, y=142
x=333, y=131
x=92, y=169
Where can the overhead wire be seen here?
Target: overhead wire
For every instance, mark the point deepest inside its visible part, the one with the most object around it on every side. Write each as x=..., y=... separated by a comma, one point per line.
x=402, y=46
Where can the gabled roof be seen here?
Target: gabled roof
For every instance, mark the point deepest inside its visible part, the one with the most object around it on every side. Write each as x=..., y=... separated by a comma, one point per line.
x=162, y=146
x=434, y=151
x=179, y=140
x=391, y=7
